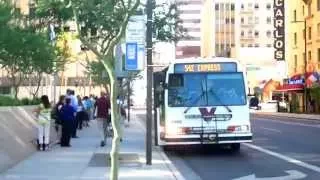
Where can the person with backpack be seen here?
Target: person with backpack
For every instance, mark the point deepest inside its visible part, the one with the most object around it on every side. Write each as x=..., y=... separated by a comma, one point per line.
x=43, y=114
x=55, y=114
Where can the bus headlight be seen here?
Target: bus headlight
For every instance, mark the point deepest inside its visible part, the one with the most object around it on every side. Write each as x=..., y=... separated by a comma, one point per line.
x=173, y=130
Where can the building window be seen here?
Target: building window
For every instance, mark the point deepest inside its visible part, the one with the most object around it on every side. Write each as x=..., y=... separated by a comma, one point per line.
x=295, y=15
x=268, y=33
x=295, y=62
x=250, y=45
x=318, y=5
x=232, y=20
x=295, y=38
x=309, y=33
x=242, y=20
x=250, y=33
x=242, y=6
x=268, y=6
x=268, y=20
x=5, y=90
x=250, y=20
x=256, y=20
x=309, y=55
x=242, y=33
x=217, y=7
x=256, y=33
x=318, y=29
x=256, y=45
x=227, y=6
x=309, y=9
x=232, y=6
x=256, y=6
x=227, y=20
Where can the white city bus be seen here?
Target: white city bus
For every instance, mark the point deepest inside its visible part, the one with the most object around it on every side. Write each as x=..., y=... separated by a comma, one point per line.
x=202, y=101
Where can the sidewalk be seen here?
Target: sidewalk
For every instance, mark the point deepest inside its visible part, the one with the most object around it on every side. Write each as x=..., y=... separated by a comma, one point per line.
x=87, y=160
x=290, y=115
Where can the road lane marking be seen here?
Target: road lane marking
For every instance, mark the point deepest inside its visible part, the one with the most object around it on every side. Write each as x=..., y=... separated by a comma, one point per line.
x=290, y=123
x=270, y=129
x=283, y=157
x=293, y=174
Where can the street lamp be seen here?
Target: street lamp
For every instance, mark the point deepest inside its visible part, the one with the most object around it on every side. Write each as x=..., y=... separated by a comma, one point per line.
x=305, y=63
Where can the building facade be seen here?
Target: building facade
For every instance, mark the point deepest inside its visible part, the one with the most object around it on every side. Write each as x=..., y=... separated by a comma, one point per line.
x=255, y=40
x=190, y=14
x=303, y=50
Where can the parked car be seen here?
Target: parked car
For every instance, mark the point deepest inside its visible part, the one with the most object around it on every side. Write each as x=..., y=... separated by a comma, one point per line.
x=269, y=106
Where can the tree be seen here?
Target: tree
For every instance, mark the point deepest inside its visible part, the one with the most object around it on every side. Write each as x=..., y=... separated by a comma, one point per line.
x=98, y=75
x=101, y=25
x=23, y=52
x=167, y=25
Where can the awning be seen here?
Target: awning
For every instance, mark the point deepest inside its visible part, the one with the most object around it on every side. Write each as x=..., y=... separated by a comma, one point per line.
x=290, y=87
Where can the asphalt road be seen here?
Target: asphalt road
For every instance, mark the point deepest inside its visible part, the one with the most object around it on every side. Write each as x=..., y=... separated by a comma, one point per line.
x=283, y=149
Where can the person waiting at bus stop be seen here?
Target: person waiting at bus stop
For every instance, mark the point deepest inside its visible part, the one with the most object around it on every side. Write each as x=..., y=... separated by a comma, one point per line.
x=102, y=107
x=67, y=114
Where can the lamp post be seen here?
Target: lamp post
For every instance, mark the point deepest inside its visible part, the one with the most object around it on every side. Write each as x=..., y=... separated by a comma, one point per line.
x=305, y=63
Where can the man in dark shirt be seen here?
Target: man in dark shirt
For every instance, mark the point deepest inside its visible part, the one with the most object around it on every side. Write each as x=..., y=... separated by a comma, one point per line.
x=102, y=106
x=67, y=113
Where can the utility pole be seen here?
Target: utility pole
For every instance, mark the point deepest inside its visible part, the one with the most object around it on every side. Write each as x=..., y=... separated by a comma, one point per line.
x=149, y=84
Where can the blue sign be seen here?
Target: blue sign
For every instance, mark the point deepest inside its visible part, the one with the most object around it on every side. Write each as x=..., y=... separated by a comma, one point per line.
x=131, y=57
x=205, y=67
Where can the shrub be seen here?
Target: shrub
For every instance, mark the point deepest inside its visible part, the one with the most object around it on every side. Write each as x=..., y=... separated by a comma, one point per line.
x=10, y=101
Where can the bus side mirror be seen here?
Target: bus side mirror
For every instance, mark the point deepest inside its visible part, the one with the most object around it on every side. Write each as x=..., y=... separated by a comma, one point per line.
x=164, y=86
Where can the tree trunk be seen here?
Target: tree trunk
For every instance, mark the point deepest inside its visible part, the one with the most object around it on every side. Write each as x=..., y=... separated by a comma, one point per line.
x=34, y=94
x=115, y=121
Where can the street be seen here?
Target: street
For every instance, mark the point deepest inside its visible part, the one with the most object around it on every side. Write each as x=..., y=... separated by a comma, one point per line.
x=282, y=149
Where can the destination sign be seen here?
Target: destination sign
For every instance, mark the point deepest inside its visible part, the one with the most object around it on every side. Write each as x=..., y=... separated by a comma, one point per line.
x=205, y=67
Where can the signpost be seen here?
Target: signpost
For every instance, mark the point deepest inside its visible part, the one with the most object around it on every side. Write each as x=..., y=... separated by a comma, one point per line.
x=135, y=43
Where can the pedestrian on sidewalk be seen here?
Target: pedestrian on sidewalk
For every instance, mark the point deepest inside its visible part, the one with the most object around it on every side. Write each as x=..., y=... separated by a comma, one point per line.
x=74, y=104
x=87, y=110
x=55, y=114
x=43, y=113
x=102, y=107
x=67, y=113
x=80, y=113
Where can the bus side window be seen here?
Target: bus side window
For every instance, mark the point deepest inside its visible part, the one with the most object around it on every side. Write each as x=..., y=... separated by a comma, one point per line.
x=175, y=80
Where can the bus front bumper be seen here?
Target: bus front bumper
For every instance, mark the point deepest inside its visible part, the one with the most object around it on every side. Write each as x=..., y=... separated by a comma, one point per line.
x=207, y=139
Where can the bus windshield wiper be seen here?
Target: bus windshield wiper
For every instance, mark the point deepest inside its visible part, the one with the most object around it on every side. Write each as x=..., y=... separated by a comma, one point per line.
x=203, y=92
x=216, y=96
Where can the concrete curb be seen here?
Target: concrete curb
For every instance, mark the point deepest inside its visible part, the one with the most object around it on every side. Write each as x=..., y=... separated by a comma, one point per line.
x=279, y=116
x=177, y=175
x=171, y=166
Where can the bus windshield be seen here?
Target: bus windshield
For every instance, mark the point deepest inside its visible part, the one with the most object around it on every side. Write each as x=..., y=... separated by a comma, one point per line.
x=215, y=89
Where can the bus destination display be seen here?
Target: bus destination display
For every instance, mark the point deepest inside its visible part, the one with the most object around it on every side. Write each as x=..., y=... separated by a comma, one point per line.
x=205, y=67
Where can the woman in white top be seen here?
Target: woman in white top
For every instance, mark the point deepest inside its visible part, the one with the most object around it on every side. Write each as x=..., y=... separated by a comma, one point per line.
x=43, y=113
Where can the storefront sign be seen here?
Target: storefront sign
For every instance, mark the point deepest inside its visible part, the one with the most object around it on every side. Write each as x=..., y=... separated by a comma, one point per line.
x=279, y=32
x=295, y=81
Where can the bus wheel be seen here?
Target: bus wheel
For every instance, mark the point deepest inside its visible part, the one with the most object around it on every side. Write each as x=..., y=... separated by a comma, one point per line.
x=235, y=147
